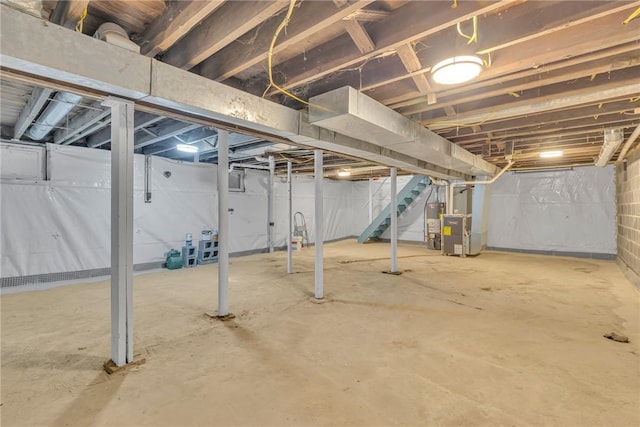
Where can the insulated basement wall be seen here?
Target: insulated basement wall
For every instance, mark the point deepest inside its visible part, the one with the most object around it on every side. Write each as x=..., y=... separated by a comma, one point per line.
x=628, y=201
x=561, y=212
x=566, y=212
x=62, y=224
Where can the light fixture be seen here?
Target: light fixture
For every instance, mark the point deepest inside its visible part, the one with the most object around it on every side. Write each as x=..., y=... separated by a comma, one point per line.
x=458, y=69
x=187, y=148
x=550, y=154
x=344, y=173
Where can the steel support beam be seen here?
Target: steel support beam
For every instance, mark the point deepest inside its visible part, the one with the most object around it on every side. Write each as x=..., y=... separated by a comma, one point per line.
x=76, y=62
x=121, y=230
x=270, y=203
x=223, y=223
x=319, y=224
x=394, y=220
x=370, y=200
x=289, y=219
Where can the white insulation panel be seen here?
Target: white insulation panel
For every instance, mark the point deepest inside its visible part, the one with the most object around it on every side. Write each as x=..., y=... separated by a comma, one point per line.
x=564, y=210
x=63, y=224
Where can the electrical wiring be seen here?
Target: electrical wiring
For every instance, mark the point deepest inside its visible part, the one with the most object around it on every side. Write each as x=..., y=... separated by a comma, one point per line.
x=281, y=27
x=82, y=18
x=472, y=38
x=631, y=17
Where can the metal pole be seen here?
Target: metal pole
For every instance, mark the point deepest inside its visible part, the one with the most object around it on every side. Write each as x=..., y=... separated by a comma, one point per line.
x=272, y=171
x=394, y=220
x=121, y=230
x=370, y=200
x=223, y=223
x=196, y=158
x=319, y=224
x=290, y=221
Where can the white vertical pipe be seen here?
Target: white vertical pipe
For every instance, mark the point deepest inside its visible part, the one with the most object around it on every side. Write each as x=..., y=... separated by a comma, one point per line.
x=270, y=204
x=196, y=158
x=370, y=200
x=121, y=230
x=223, y=223
x=290, y=221
x=319, y=224
x=394, y=220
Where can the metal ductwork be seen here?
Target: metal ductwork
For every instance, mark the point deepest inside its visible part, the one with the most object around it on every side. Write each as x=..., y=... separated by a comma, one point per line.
x=352, y=113
x=116, y=35
x=55, y=112
x=612, y=140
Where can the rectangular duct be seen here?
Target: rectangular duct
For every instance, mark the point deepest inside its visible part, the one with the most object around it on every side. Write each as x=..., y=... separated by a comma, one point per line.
x=349, y=112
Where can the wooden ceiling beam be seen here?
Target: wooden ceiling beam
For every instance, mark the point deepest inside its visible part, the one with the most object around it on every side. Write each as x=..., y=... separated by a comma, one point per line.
x=68, y=12
x=359, y=35
x=230, y=21
x=579, y=71
x=411, y=63
x=592, y=111
x=251, y=49
x=529, y=56
x=577, y=127
x=532, y=54
x=175, y=22
x=414, y=21
x=556, y=97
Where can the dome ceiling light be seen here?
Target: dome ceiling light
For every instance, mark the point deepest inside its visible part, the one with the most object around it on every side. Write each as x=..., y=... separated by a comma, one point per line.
x=458, y=69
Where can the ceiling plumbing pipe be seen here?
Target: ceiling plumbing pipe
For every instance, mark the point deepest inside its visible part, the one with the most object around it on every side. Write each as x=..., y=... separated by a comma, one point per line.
x=454, y=184
x=627, y=145
x=261, y=159
x=58, y=108
x=242, y=165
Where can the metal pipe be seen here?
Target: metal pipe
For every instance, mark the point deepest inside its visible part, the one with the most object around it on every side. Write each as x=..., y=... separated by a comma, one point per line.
x=319, y=224
x=223, y=223
x=627, y=145
x=462, y=183
x=290, y=221
x=270, y=225
x=242, y=165
x=394, y=220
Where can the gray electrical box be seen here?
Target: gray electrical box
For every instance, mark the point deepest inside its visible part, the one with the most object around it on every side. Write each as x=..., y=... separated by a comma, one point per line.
x=457, y=237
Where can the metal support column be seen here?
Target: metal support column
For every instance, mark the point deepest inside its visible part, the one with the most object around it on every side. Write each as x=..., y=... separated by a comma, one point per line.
x=196, y=158
x=270, y=204
x=370, y=200
x=394, y=220
x=319, y=224
x=289, y=221
x=121, y=230
x=223, y=223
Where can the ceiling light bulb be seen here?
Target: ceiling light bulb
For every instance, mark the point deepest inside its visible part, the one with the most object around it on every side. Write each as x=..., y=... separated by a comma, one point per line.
x=458, y=69
x=550, y=154
x=187, y=148
x=344, y=173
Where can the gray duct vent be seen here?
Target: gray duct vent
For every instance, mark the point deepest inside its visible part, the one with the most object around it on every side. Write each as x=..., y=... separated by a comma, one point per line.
x=352, y=113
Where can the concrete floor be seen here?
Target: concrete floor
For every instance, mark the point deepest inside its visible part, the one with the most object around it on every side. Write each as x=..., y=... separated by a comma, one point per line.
x=501, y=339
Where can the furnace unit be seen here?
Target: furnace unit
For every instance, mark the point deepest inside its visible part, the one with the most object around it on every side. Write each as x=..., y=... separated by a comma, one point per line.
x=456, y=236
x=434, y=214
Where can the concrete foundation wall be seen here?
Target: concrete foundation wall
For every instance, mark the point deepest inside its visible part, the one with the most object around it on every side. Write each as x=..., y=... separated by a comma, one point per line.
x=628, y=207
